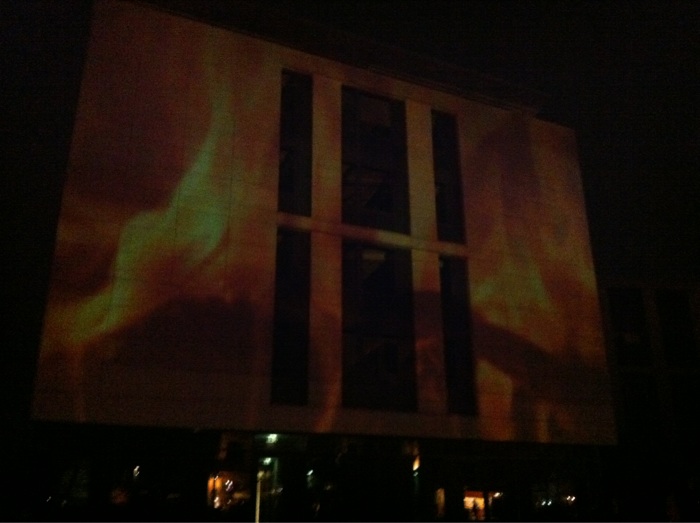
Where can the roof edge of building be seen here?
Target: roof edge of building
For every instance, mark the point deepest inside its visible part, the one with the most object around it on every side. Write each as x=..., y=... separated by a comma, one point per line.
x=268, y=23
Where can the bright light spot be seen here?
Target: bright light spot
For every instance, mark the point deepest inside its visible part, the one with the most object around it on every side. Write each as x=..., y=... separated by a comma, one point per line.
x=271, y=439
x=310, y=473
x=416, y=463
x=474, y=500
x=137, y=471
x=497, y=494
x=267, y=461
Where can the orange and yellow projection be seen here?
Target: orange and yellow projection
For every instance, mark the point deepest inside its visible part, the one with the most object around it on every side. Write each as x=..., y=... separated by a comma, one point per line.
x=158, y=251
x=161, y=299
x=537, y=327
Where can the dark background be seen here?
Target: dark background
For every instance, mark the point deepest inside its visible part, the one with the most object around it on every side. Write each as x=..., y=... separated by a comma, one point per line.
x=625, y=75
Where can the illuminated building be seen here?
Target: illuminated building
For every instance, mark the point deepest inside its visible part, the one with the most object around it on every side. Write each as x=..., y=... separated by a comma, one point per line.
x=369, y=284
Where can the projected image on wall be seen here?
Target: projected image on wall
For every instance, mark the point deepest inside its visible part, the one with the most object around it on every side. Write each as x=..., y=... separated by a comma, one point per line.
x=161, y=267
x=537, y=328
x=182, y=201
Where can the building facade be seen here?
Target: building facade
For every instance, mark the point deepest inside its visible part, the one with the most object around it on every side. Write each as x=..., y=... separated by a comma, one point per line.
x=322, y=263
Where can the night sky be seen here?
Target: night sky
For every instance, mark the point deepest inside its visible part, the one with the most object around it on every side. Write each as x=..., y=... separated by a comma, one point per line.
x=625, y=75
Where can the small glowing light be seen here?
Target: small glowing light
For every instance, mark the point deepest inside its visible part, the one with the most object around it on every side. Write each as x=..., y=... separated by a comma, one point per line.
x=271, y=439
x=497, y=494
x=440, y=502
x=310, y=473
x=267, y=461
x=416, y=463
x=137, y=471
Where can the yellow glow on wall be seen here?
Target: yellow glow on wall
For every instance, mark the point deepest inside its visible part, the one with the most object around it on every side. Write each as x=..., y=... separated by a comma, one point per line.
x=161, y=299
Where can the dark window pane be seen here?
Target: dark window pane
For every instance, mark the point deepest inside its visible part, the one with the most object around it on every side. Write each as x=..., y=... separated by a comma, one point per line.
x=375, y=183
x=378, y=355
x=295, y=144
x=629, y=325
x=291, y=322
x=368, y=190
x=448, y=182
x=456, y=321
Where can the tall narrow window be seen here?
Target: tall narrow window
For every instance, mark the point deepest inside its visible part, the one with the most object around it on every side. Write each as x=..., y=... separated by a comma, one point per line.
x=291, y=321
x=456, y=323
x=448, y=180
x=378, y=355
x=629, y=326
x=375, y=183
x=677, y=329
x=295, y=144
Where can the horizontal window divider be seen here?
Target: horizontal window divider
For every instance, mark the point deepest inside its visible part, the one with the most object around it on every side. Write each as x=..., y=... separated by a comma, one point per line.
x=370, y=235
